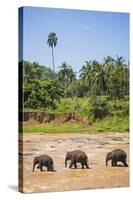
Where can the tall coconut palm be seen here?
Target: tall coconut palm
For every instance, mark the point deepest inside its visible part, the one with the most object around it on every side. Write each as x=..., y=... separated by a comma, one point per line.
x=63, y=75
x=52, y=42
x=120, y=62
x=92, y=74
x=108, y=63
x=72, y=74
x=99, y=77
x=86, y=74
x=66, y=75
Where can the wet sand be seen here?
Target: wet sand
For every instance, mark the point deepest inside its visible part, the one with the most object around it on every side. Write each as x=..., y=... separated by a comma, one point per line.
x=95, y=146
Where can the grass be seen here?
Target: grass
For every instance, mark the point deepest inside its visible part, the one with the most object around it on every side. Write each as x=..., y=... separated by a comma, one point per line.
x=106, y=125
x=118, y=121
x=80, y=106
x=51, y=128
x=114, y=124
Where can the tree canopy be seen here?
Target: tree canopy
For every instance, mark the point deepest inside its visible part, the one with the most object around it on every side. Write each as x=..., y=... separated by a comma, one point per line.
x=109, y=78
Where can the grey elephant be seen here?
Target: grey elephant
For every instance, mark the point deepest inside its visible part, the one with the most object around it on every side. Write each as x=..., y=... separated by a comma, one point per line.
x=75, y=157
x=43, y=160
x=117, y=155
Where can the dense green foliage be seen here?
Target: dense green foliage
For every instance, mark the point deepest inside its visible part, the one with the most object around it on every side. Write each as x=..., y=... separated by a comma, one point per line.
x=36, y=71
x=100, y=93
x=39, y=94
x=116, y=120
x=37, y=87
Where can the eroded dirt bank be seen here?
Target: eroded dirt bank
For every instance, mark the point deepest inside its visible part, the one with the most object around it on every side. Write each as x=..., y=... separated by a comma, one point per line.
x=95, y=145
x=57, y=118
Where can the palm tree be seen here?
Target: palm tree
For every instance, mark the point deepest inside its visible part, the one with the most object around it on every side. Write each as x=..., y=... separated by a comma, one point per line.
x=63, y=75
x=66, y=75
x=99, y=77
x=72, y=74
x=108, y=64
x=52, y=42
x=93, y=75
x=120, y=62
x=86, y=74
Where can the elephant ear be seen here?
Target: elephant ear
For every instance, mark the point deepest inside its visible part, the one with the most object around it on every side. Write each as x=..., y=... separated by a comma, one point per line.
x=109, y=154
x=68, y=153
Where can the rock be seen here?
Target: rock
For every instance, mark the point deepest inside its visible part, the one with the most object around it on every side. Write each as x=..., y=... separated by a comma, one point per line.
x=58, y=141
x=27, y=154
x=99, y=147
x=27, y=141
x=117, y=138
x=34, y=149
x=104, y=143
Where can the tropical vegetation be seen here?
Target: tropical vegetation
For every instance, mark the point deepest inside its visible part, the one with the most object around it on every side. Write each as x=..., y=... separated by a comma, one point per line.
x=98, y=91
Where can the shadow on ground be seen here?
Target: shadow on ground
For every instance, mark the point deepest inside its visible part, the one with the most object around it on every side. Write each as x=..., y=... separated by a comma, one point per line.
x=13, y=187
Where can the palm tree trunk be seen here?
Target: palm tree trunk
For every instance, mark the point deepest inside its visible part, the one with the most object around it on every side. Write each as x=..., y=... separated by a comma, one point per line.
x=53, y=61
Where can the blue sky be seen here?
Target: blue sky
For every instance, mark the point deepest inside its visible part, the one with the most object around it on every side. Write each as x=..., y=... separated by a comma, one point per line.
x=82, y=35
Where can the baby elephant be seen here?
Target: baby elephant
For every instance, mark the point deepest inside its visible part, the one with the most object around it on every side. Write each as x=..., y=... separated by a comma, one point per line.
x=115, y=156
x=76, y=156
x=43, y=160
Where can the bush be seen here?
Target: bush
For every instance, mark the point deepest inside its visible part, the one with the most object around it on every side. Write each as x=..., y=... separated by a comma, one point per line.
x=41, y=94
x=99, y=110
x=121, y=111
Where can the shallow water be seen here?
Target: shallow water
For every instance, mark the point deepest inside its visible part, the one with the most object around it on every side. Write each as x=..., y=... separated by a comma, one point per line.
x=95, y=146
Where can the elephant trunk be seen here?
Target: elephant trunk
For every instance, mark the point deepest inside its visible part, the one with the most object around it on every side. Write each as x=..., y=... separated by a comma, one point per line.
x=108, y=157
x=106, y=162
x=66, y=162
x=33, y=166
x=36, y=161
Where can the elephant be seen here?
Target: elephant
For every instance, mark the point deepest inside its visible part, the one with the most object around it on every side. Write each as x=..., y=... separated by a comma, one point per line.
x=115, y=156
x=76, y=156
x=43, y=160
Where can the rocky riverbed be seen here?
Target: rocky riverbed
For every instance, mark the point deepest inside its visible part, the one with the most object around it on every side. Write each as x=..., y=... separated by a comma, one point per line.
x=95, y=146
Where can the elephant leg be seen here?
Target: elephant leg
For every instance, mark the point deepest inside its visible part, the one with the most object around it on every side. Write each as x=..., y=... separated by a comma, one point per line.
x=82, y=165
x=125, y=164
x=112, y=162
x=86, y=164
x=40, y=166
x=50, y=167
x=116, y=163
x=70, y=166
x=75, y=165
